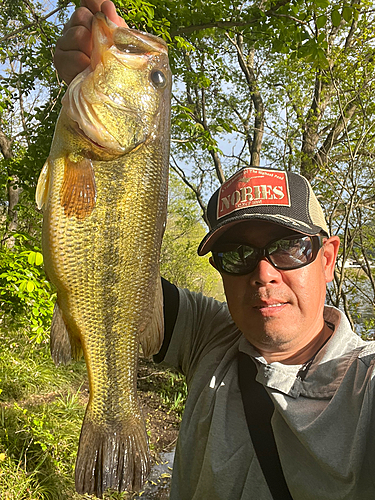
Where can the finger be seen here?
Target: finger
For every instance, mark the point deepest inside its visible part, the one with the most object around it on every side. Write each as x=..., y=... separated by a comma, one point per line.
x=80, y=17
x=73, y=49
x=78, y=61
x=83, y=16
x=109, y=9
x=93, y=5
x=73, y=52
x=76, y=38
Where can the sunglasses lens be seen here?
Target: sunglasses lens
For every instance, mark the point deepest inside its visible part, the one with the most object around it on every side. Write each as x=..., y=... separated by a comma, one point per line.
x=287, y=253
x=241, y=260
x=291, y=253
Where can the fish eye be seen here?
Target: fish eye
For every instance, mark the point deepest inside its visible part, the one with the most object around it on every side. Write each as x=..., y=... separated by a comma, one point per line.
x=158, y=79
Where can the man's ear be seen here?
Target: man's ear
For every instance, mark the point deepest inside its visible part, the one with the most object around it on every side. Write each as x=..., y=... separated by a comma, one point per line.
x=330, y=250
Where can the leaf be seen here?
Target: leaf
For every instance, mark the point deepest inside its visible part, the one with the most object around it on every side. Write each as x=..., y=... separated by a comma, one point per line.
x=347, y=14
x=30, y=286
x=336, y=18
x=31, y=258
x=277, y=45
x=321, y=21
x=38, y=258
x=322, y=3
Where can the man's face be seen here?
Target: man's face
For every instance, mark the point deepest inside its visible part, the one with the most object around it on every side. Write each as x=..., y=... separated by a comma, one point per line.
x=278, y=310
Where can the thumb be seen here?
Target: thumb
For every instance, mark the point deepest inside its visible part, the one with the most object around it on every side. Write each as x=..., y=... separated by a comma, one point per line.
x=108, y=8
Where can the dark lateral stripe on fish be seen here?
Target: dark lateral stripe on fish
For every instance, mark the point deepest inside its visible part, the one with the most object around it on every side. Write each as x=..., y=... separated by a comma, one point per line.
x=78, y=191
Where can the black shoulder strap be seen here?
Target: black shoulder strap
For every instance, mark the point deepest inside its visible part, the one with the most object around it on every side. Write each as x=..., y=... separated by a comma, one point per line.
x=259, y=409
x=171, y=302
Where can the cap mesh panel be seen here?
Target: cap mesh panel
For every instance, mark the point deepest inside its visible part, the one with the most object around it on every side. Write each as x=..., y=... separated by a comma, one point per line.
x=316, y=212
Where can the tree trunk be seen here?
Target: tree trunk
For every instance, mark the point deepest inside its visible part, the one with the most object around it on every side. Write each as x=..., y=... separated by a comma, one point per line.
x=247, y=66
x=13, y=192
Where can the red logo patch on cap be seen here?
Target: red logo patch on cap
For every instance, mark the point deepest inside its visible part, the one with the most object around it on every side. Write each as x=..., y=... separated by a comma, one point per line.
x=253, y=186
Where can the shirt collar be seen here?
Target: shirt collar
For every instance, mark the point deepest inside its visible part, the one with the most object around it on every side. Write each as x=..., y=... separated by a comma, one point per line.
x=325, y=372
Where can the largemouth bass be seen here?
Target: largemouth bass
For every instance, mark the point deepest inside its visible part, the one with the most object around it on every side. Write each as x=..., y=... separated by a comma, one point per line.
x=104, y=193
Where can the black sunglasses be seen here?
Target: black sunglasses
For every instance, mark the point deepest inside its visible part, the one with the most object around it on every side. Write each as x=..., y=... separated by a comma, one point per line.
x=291, y=252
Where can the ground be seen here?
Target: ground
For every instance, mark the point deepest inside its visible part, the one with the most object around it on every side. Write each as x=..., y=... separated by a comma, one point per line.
x=162, y=421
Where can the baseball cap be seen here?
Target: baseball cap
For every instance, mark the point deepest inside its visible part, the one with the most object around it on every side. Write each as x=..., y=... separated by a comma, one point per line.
x=277, y=196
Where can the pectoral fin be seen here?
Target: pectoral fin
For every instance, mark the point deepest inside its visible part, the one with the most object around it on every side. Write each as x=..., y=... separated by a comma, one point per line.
x=63, y=346
x=151, y=338
x=42, y=188
x=78, y=191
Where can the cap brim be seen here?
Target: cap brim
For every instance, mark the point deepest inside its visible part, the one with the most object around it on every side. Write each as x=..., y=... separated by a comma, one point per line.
x=211, y=238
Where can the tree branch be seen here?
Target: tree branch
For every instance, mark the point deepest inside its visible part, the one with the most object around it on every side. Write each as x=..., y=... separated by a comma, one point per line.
x=187, y=30
x=248, y=70
x=337, y=128
x=196, y=191
x=5, y=146
x=37, y=21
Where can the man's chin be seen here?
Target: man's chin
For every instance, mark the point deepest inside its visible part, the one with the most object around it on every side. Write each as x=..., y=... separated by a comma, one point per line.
x=270, y=340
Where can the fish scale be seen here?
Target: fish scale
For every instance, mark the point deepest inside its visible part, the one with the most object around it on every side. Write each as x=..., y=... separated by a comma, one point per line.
x=104, y=191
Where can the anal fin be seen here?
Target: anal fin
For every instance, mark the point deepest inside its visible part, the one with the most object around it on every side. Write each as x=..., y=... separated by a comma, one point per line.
x=151, y=338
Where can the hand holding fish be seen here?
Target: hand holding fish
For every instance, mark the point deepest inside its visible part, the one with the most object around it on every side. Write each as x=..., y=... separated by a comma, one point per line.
x=73, y=49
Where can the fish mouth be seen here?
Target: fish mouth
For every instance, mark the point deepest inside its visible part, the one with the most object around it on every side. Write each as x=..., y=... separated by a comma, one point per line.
x=86, y=100
x=104, y=26
x=97, y=151
x=131, y=44
x=80, y=132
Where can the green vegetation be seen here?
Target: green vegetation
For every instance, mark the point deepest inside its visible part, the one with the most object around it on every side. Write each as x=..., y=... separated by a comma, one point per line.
x=174, y=392
x=180, y=263
x=25, y=294
x=41, y=411
x=41, y=415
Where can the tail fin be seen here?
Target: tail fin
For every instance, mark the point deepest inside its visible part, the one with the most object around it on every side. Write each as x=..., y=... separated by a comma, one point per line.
x=111, y=457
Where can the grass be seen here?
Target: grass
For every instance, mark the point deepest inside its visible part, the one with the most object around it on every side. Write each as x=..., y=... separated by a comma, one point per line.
x=41, y=411
x=40, y=419
x=174, y=391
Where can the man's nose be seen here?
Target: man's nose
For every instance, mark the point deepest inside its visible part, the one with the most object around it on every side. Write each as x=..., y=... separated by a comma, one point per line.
x=265, y=273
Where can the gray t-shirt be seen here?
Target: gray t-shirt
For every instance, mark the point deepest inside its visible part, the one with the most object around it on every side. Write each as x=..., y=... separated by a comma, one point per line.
x=323, y=425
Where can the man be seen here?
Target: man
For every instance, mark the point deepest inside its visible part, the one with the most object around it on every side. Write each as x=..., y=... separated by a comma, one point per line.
x=280, y=389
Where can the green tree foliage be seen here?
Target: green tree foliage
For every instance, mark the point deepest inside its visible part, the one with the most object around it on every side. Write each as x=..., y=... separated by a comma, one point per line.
x=180, y=263
x=29, y=104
